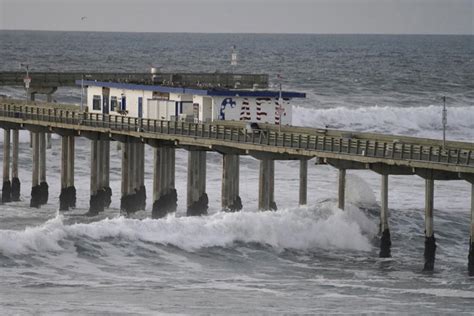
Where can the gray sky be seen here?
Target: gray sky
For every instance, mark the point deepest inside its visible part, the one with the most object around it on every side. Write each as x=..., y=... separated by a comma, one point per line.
x=242, y=16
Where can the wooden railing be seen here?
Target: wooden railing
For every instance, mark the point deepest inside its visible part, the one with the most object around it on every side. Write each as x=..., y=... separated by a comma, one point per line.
x=388, y=147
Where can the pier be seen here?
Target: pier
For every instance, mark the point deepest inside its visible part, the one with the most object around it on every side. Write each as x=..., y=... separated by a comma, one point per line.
x=384, y=154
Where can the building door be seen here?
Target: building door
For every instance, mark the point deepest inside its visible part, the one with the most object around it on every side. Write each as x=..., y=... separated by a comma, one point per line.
x=140, y=107
x=105, y=100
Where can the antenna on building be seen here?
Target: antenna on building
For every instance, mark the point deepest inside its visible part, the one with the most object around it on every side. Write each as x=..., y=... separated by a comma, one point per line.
x=233, y=57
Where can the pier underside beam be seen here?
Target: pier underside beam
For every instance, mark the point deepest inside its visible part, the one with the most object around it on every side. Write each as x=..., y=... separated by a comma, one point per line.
x=266, y=185
x=303, y=193
x=197, y=200
x=16, y=185
x=230, y=183
x=385, y=240
x=7, y=185
x=165, y=197
x=430, y=241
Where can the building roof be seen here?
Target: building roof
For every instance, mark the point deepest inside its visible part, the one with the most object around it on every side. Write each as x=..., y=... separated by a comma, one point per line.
x=194, y=91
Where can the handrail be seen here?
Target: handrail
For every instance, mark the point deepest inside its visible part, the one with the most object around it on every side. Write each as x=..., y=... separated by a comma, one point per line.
x=344, y=146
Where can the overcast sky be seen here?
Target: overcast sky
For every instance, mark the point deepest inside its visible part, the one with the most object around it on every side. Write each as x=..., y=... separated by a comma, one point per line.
x=242, y=16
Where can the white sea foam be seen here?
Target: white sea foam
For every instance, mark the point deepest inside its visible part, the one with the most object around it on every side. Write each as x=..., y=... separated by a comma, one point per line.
x=415, y=121
x=302, y=228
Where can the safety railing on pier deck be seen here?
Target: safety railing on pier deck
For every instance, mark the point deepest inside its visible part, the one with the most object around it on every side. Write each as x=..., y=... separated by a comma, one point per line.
x=388, y=148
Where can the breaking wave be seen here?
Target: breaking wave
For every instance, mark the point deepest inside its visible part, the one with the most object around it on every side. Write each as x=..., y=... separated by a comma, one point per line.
x=303, y=229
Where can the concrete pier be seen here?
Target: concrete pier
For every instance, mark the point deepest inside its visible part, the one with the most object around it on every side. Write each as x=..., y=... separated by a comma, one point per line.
x=7, y=185
x=140, y=176
x=96, y=204
x=42, y=169
x=342, y=189
x=67, y=198
x=471, y=239
x=130, y=201
x=165, y=197
x=266, y=185
x=35, y=200
x=430, y=241
x=385, y=240
x=230, y=183
x=197, y=200
x=16, y=185
x=303, y=182
x=106, y=174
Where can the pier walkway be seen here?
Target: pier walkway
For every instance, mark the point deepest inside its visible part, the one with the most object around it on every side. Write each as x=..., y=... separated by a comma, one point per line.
x=344, y=150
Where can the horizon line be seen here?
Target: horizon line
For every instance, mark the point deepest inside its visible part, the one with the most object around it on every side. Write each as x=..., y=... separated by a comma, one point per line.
x=237, y=33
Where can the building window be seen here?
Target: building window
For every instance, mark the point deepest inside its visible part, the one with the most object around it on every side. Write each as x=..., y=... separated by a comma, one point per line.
x=113, y=104
x=96, y=103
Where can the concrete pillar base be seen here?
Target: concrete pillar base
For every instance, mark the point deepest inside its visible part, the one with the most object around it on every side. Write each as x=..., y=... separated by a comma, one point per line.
x=430, y=250
x=16, y=185
x=108, y=197
x=141, y=197
x=470, y=265
x=35, y=196
x=235, y=206
x=6, y=192
x=385, y=244
x=67, y=198
x=129, y=203
x=44, y=194
x=96, y=204
x=199, y=207
x=165, y=204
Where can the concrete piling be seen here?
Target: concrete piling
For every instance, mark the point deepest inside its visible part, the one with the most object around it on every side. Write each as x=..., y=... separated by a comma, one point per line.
x=7, y=185
x=132, y=198
x=266, y=185
x=303, y=193
x=342, y=189
x=106, y=174
x=140, y=176
x=16, y=185
x=96, y=204
x=430, y=241
x=67, y=198
x=385, y=240
x=44, y=188
x=35, y=200
x=197, y=200
x=165, y=197
x=230, y=183
x=471, y=239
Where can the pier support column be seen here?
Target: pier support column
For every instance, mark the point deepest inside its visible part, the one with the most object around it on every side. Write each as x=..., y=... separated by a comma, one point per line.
x=67, y=198
x=96, y=202
x=106, y=175
x=471, y=240
x=42, y=169
x=35, y=184
x=230, y=183
x=164, y=193
x=125, y=176
x=129, y=201
x=385, y=242
x=15, y=179
x=303, y=182
x=430, y=241
x=7, y=186
x=140, y=176
x=197, y=200
x=266, y=185
x=342, y=189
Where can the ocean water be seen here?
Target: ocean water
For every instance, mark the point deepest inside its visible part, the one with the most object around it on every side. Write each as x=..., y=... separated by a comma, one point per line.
x=314, y=259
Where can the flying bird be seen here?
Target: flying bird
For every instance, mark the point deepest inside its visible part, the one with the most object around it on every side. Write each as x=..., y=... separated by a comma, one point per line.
x=83, y=18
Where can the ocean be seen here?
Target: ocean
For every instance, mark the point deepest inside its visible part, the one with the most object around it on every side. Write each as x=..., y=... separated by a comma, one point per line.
x=315, y=259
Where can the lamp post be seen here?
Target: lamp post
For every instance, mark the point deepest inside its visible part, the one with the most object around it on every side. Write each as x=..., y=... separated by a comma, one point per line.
x=444, y=120
x=27, y=79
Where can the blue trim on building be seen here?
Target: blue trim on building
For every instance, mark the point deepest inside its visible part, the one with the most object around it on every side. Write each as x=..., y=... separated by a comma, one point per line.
x=210, y=92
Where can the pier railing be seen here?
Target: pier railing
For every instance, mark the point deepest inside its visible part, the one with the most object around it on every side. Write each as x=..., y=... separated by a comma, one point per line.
x=315, y=143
